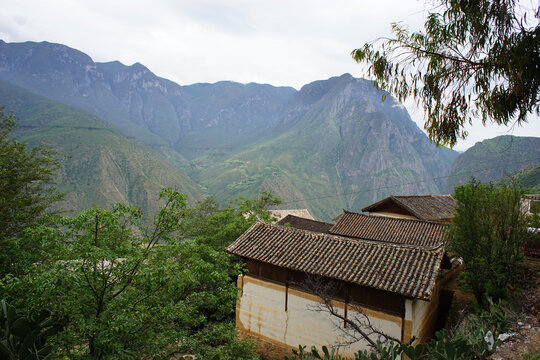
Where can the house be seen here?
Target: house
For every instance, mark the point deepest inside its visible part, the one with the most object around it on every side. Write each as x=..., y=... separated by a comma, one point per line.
x=422, y=207
x=387, y=269
x=530, y=203
x=305, y=224
x=301, y=213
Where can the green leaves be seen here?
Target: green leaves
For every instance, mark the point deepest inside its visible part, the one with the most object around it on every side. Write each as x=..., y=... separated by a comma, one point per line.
x=488, y=231
x=26, y=193
x=23, y=338
x=219, y=227
x=475, y=59
x=123, y=287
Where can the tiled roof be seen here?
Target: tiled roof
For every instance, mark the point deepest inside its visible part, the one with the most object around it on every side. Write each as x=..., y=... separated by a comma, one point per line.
x=398, y=231
x=305, y=224
x=406, y=270
x=303, y=213
x=424, y=207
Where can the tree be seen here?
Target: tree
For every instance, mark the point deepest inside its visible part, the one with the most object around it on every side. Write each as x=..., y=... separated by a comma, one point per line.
x=124, y=289
x=488, y=231
x=475, y=59
x=219, y=227
x=26, y=196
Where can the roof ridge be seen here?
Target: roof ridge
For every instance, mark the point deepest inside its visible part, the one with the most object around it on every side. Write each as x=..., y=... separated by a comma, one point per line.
x=353, y=239
x=398, y=200
x=398, y=219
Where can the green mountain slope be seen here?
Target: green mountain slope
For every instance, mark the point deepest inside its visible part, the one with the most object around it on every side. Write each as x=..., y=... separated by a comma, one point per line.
x=337, y=147
x=529, y=178
x=332, y=144
x=100, y=165
x=491, y=159
x=157, y=111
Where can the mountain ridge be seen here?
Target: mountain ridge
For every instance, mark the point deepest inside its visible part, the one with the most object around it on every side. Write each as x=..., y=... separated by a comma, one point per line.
x=331, y=137
x=100, y=166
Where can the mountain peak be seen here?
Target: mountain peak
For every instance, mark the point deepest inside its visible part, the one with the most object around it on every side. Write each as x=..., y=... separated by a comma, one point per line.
x=139, y=67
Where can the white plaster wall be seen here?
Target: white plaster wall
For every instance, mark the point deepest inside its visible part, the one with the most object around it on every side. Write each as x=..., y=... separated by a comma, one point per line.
x=261, y=311
x=420, y=313
x=308, y=326
x=386, y=323
x=261, y=308
x=420, y=310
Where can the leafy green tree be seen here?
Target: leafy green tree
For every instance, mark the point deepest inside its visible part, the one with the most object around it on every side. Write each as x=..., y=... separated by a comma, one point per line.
x=488, y=231
x=218, y=227
x=474, y=59
x=123, y=289
x=26, y=195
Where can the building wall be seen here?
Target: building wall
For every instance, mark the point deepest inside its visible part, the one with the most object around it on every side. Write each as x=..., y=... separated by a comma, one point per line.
x=393, y=215
x=421, y=316
x=391, y=209
x=287, y=317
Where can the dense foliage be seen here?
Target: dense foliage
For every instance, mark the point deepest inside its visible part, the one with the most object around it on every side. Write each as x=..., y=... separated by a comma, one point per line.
x=216, y=226
x=474, y=59
x=25, y=338
x=121, y=288
x=115, y=284
x=26, y=193
x=488, y=232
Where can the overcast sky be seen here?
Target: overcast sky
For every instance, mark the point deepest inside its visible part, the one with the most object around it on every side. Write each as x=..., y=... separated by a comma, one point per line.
x=277, y=42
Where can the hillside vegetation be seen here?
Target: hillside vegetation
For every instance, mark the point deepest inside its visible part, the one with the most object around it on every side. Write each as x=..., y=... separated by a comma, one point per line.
x=529, y=178
x=491, y=159
x=100, y=166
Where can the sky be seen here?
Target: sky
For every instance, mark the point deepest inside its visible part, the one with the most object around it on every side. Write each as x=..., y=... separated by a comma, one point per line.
x=282, y=43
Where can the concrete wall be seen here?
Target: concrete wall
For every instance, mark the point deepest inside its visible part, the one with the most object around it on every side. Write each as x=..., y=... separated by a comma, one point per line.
x=287, y=317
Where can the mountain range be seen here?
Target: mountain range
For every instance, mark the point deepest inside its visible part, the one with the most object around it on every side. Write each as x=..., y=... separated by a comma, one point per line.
x=100, y=165
x=332, y=144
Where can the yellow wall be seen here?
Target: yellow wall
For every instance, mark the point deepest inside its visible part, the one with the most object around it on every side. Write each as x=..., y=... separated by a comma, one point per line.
x=261, y=313
x=393, y=215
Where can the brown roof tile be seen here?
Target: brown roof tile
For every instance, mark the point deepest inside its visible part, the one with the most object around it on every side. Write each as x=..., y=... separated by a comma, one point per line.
x=395, y=230
x=305, y=224
x=424, y=207
x=406, y=270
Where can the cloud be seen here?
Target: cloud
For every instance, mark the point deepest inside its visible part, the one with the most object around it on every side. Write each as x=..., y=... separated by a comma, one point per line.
x=267, y=41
